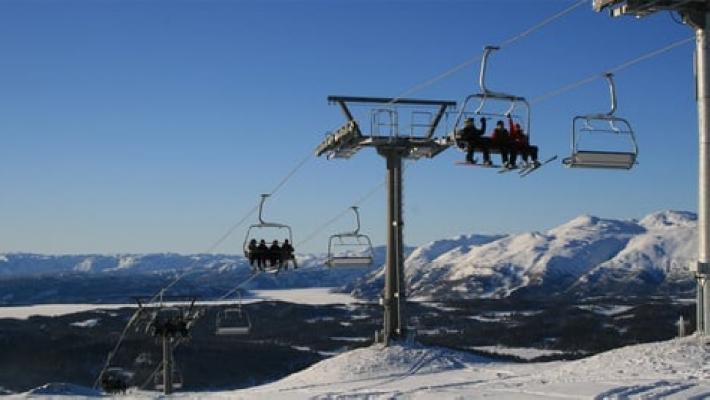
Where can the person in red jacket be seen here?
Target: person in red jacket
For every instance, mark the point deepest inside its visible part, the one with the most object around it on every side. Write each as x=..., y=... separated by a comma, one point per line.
x=521, y=144
x=501, y=139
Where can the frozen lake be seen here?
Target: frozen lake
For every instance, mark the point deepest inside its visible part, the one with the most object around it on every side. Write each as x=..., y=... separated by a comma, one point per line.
x=310, y=296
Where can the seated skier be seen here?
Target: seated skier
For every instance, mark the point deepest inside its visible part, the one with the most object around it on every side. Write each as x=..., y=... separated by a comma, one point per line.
x=471, y=138
x=522, y=145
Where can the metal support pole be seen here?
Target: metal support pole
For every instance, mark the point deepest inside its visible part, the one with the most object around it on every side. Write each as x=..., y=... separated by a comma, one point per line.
x=699, y=306
x=703, y=97
x=167, y=366
x=394, y=295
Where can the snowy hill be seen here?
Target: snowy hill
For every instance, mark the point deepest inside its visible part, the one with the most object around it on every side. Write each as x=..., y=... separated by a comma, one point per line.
x=675, y=369
x=587, y=255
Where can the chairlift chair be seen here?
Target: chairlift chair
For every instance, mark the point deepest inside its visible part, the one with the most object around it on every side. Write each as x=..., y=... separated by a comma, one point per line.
x=263, y=226
x=486, y=97
x=596, y=125
x=115, y=380
x=360, y=252
x=233, y=320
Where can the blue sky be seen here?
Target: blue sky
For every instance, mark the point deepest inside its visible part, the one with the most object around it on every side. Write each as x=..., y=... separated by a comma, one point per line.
x=144, y=126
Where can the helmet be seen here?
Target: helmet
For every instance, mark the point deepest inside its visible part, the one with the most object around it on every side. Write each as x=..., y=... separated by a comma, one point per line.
x=468, y=121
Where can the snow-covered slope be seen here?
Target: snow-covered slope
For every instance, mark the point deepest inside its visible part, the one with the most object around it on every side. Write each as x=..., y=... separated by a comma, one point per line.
x=585, y=255
x=675, y=369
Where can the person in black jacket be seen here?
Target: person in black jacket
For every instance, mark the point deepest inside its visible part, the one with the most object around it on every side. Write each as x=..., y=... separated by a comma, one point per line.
x=262, y=253
x=472, y=138
x=275, y=254
x=253, y=252
x=287, y=254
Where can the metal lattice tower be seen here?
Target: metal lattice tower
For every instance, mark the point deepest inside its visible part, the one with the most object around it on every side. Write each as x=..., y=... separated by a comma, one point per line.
x=696, y=14
x=394, y=147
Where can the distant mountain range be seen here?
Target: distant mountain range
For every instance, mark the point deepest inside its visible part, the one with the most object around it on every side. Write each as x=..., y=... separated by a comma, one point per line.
x=587, y=256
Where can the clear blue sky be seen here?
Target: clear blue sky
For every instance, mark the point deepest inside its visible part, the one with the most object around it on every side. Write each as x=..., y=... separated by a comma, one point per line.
x=144, y=126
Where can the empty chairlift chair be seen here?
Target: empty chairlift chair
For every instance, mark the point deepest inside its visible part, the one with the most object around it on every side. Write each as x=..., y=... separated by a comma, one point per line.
x=350, y=249
x=614, y=140
x=233, y=321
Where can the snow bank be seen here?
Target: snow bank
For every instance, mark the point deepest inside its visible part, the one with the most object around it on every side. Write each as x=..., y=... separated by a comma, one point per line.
x=378, y=361
x=89, y=323
x=64, y=389
x=682, y=359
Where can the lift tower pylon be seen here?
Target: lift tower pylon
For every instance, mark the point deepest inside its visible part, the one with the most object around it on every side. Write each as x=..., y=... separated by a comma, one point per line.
x=394, y=146
x=696, y=14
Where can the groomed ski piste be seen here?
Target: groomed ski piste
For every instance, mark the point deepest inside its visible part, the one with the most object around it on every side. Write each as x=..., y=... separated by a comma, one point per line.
x=674, y=369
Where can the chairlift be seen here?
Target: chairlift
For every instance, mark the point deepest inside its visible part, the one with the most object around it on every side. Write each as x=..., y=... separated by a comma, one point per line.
x=115, y=380
x=482, y=100
x=177, y=380
x=233, y=320
x=257, y=232
x=597, y=125
x=350, y=249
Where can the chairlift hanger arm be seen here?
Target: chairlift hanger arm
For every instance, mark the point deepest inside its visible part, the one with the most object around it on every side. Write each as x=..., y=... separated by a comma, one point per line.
x=612, y=92
x=484, y=66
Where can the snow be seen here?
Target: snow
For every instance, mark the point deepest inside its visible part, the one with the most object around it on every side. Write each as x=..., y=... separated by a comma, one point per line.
x=89, y=323
x=606, y=310
x=587, y=255
x=54, y=310
x=525, y=353
x=64, y=390
x=674, y=369
x=311, y=296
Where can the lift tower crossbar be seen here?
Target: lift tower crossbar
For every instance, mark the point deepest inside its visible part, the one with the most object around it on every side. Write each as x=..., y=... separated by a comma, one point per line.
x=696, y=14
x=347, y=140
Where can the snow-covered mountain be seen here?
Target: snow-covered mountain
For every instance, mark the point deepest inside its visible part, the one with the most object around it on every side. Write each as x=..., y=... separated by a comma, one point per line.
x=585, y=256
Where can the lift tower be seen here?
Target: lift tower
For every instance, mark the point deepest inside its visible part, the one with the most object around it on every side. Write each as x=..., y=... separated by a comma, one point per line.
x=394, y=146
x=695, y=13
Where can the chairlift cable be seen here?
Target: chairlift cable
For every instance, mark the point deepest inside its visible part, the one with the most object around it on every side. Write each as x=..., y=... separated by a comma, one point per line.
x=535, y=100
x=542, y=24
x=192, y=266
x=477, y=59
x=620, y=67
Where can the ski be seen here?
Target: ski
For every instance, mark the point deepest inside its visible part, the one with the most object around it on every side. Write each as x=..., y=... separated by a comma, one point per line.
x=505, y=169
x=468, y=164
x=533, y=169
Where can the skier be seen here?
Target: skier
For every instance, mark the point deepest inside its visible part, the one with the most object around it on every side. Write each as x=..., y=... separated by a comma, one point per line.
x=501, y=139
x=253, y=253
x=472, y=138
x=275, y=254
x=521, y=144
x=287, y=254
x=262, y=254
